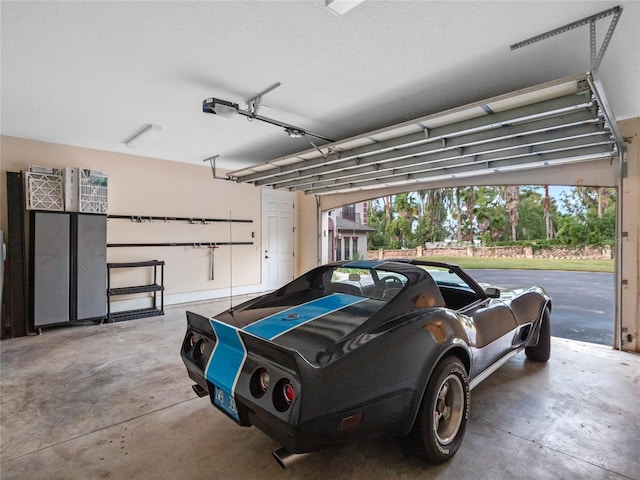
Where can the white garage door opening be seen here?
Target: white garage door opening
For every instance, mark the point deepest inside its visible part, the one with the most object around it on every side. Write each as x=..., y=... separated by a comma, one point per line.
x=558, y=133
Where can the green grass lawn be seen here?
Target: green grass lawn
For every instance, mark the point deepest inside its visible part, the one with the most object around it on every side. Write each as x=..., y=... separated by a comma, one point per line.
x=528, y=263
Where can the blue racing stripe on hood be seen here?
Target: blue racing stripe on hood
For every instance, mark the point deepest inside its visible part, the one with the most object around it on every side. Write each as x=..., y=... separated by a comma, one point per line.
x=282, y=322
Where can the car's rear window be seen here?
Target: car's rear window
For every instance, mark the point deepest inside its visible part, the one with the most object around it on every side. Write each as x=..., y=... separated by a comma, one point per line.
x=377, y=284
x=447, y=278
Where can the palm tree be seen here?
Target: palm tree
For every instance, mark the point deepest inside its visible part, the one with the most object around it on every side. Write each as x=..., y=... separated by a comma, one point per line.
x=547, y=212
x=471, y=206
x=490, y=212
x=603, y=200
x=458, y=206
x=405, y=205
x=512, y=199
x=435, y=205
x=387, y=207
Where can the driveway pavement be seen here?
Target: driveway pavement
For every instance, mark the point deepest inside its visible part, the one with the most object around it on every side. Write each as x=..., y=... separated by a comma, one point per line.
x=583, y=303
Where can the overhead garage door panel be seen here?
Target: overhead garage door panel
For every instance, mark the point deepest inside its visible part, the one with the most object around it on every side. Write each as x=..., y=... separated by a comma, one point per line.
x=557, y=123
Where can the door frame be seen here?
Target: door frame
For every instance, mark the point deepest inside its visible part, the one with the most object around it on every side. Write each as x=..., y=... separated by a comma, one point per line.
x=284, y=195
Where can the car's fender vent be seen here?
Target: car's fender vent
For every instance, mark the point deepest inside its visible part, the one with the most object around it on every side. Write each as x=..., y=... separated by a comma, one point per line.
x=522, y=334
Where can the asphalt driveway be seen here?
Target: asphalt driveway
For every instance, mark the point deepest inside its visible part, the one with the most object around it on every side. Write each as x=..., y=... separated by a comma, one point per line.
x=583, y=303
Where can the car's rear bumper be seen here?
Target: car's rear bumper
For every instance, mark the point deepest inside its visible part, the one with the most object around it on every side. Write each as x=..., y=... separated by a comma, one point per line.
x=378, y=417
x=322, y=419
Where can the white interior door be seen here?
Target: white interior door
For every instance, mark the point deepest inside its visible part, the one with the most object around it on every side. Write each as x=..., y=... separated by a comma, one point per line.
x=278, y=226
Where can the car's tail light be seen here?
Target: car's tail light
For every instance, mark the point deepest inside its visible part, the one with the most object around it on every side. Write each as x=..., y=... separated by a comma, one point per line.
x=259, y=382
x=283, y=395
x=198, y=349
x=194, y=346
x=189, y=342
x=264, y=379
x=289, y=394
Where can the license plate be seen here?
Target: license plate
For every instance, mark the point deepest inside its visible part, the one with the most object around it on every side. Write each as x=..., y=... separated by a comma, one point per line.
x=225, y=402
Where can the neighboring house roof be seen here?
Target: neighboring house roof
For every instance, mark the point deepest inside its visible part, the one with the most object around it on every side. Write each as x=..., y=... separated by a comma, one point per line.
x=348, y=225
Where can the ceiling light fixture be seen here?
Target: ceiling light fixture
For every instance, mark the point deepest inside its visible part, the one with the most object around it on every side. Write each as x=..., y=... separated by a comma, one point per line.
x=225, y=108
x=148, y=134
x=340, y=7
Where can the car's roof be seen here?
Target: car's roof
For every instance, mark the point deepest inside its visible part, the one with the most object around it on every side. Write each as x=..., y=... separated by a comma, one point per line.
x=399, y=265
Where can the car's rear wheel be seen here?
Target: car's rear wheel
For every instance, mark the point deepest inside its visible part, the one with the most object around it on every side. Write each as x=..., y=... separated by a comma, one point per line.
x=542, y=351
x=442, y=419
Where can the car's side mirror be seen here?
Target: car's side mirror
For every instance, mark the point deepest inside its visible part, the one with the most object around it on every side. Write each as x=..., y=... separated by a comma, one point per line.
x=493, y=292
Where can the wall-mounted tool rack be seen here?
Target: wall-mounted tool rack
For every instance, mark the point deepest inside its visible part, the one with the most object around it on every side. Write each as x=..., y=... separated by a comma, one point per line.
x=192, y=220
x=179, y=244
x=209, y=245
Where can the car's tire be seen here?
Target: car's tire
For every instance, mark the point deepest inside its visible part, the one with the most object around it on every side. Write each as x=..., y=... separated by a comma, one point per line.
x=542, y=351
x=442, y=419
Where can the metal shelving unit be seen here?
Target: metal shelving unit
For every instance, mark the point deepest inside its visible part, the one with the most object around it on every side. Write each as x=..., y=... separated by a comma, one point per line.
x=153, y=288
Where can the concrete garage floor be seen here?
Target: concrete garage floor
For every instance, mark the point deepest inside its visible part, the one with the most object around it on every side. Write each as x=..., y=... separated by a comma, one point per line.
x=114, y=401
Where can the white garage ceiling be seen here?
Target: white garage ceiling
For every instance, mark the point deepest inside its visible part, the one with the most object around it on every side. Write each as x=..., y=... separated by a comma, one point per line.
x=92, y=74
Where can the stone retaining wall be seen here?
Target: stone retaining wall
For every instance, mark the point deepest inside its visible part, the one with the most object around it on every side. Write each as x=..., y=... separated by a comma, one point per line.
x=558, y=252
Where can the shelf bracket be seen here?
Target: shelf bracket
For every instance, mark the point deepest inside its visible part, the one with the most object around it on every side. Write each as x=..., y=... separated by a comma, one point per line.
x=595, y=58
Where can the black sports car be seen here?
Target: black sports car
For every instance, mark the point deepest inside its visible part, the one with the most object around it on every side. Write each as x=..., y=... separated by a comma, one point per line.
x=353, y=349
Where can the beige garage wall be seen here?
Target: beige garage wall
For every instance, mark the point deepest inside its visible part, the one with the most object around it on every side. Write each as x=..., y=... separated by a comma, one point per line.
x=144, y=186
x=307, y=237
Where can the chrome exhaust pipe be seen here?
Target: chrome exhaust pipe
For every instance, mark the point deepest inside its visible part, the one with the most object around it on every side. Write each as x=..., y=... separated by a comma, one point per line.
x=286, y=458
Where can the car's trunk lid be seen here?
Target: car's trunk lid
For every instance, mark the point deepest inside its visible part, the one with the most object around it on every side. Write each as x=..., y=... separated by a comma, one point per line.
x=309, y=326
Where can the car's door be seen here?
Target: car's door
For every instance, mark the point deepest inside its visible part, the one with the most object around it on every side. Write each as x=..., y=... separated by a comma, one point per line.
x=494, y=323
